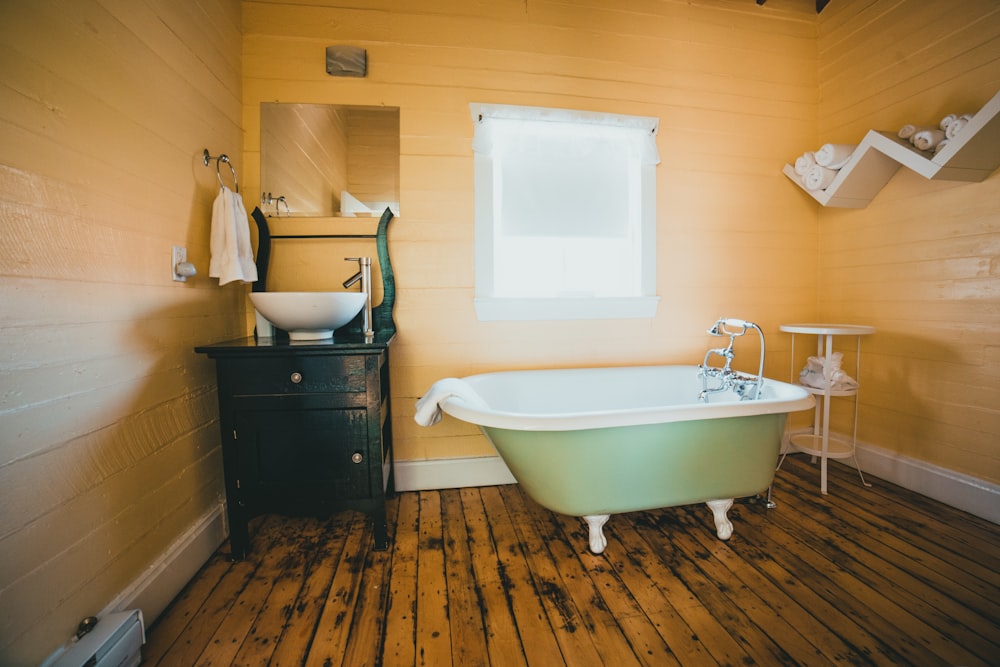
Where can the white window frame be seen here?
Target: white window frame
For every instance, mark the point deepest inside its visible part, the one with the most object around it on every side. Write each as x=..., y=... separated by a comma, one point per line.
x=642, y=301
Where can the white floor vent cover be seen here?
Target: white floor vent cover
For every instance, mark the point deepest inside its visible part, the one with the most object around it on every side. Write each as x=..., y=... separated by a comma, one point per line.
x=115, y=641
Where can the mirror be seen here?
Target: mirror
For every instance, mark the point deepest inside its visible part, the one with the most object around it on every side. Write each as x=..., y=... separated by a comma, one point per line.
x=328, y=160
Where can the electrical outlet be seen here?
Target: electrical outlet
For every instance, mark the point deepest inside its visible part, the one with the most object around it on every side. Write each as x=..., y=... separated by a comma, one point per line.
x=178, y=256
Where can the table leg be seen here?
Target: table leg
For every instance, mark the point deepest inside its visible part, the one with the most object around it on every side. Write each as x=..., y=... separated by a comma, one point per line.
x=826, y=411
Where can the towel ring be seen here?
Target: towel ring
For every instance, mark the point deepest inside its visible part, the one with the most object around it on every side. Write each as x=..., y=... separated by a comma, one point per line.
x=206, y=158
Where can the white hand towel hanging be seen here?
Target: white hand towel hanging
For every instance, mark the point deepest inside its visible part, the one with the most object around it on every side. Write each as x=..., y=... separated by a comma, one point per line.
x=232, y=254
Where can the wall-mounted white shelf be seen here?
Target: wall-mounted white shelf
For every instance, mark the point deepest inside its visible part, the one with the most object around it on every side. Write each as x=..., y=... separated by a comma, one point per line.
x=971, y=156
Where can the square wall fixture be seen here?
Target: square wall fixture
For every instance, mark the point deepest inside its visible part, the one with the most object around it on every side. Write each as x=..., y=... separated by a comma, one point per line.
x=346, y=61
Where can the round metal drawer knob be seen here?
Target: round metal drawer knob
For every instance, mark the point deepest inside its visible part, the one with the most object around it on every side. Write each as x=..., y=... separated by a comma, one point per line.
x=296, y=378
x=357, y=457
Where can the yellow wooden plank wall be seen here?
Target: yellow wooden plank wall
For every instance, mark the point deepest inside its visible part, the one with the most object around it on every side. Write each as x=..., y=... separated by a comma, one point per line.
x=734, y=86
x=920, y=262
x=108, y=441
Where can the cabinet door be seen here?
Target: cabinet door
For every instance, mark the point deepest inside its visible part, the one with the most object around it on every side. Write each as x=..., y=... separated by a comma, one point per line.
x=300, y=454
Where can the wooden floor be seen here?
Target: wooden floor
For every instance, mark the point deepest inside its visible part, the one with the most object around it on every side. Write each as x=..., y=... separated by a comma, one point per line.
x=484, y=576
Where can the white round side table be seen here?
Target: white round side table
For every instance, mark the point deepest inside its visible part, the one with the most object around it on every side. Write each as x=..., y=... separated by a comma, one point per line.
x=818, y=441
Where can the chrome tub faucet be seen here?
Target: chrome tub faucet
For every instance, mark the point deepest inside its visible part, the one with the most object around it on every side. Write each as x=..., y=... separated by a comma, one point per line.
x=747, y=387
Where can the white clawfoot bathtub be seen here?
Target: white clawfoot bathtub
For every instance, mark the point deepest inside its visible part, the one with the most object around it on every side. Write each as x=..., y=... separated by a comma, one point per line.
x=599, y=441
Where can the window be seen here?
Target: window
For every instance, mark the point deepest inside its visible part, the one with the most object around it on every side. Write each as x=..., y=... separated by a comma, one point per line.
x=565, y=214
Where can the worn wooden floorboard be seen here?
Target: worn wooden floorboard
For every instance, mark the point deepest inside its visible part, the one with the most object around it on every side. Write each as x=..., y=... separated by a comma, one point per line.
x=485, y=576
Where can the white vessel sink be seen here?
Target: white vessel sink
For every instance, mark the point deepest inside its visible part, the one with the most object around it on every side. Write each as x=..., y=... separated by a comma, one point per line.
x=308, y=315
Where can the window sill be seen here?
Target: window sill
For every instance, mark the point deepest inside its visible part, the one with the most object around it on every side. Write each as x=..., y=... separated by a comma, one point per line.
x=582, y=308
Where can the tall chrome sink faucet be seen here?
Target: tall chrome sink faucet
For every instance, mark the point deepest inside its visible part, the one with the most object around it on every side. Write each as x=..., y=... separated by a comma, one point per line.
x=364, y=274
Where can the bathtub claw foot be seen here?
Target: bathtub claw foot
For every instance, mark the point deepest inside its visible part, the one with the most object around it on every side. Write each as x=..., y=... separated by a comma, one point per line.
x=597, y=540
x=723, y=526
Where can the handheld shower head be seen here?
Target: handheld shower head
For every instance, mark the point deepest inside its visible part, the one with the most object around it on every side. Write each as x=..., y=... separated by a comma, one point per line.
x=730, y=326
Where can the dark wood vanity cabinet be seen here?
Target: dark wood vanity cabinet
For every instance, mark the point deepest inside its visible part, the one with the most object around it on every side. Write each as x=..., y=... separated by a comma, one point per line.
x=306, y=429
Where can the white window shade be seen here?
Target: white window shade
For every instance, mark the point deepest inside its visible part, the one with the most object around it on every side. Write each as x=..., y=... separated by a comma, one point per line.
x=565, y=213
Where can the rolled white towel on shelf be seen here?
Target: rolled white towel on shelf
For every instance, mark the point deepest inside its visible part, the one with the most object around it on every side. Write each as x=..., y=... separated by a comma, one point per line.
x=834, y=156
x=804, y=161
x=908, y=130
x=925, y=140
x=947, y=120
x=956, y=126
x=941, y=145
x=819, y=177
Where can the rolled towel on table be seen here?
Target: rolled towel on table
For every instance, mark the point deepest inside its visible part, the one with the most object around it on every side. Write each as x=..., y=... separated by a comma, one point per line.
x=834, y=156
x=804, y=161
x=925, y=140
x=820, y=375
x=429, y=405
x=819, y=177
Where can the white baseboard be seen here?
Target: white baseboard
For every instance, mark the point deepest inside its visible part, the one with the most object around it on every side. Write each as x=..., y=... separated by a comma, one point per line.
x=451, y=473
x=958, y=490
x=155, y=588
x=964, y=492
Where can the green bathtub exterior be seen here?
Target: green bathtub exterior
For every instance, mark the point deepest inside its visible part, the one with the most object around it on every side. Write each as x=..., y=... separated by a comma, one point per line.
x=631, y=468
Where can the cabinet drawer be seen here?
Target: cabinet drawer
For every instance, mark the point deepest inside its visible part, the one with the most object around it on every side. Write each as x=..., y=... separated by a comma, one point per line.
x=294, y=375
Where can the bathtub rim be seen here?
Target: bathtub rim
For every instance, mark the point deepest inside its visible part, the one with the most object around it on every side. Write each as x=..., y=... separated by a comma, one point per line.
x=791, y=398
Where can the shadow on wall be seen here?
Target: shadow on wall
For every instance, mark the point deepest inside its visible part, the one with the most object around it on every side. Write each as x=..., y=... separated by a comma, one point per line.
x=904, y=379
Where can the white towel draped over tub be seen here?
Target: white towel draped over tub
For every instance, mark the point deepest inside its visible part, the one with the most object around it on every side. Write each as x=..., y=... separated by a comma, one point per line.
x=232, y=254
x=428, y=406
